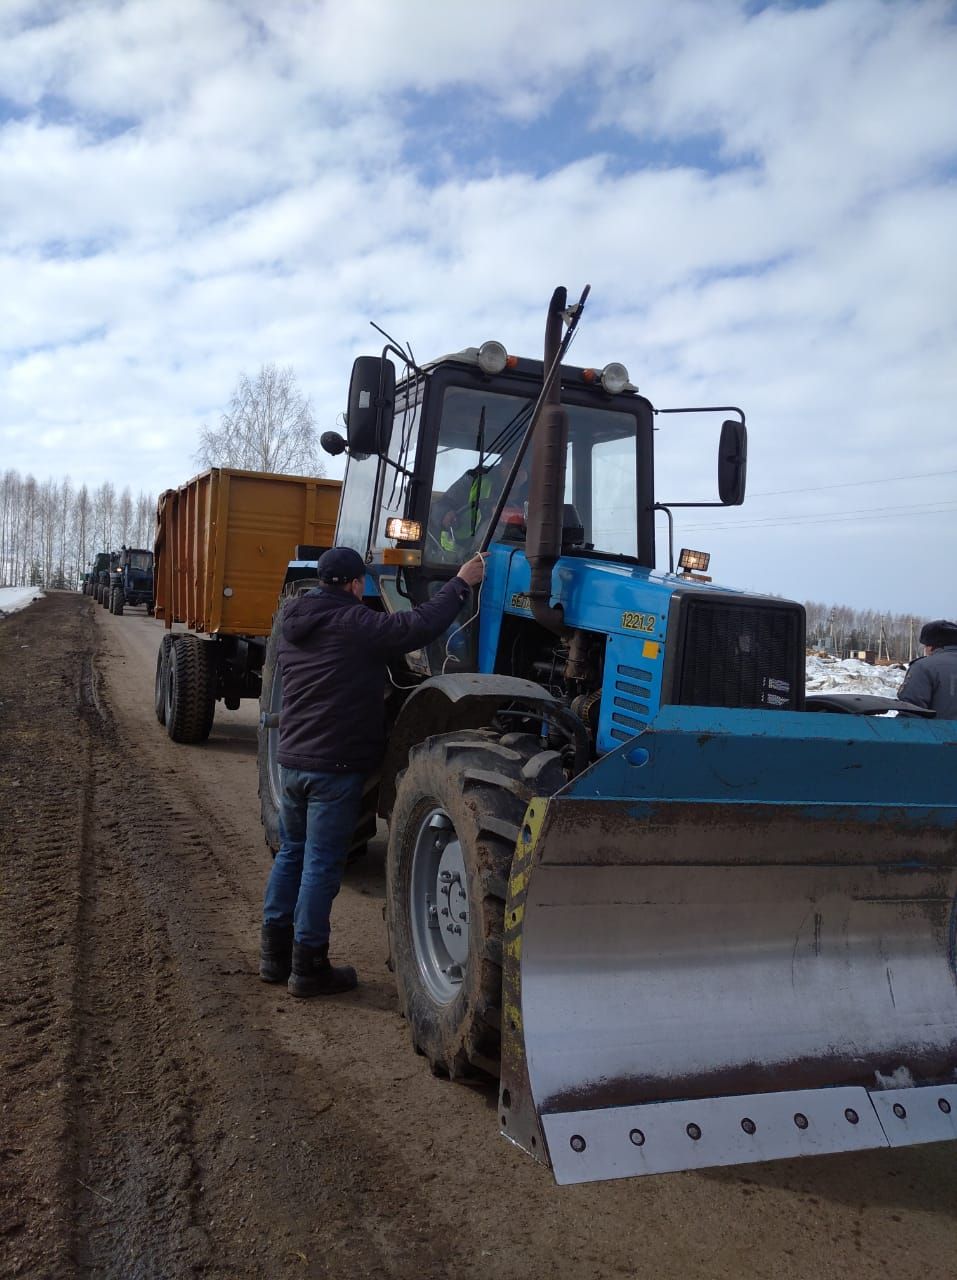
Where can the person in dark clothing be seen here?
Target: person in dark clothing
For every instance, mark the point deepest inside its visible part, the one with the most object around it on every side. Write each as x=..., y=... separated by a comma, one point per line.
x=333, y=655
x=931, y=681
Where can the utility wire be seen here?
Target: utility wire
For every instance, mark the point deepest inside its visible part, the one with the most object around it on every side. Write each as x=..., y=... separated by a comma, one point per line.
x=850, y=484
x=859, y=516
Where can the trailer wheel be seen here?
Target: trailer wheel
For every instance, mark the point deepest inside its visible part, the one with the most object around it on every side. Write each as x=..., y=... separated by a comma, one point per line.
x=116, y=601
x=162, y=677
x=458, y=810
x=190, y=689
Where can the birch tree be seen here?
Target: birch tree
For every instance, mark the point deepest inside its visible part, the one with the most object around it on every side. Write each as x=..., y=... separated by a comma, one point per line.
x=269, y=426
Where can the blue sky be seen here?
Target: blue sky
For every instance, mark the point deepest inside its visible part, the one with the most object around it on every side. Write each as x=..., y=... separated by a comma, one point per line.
x=761, y=196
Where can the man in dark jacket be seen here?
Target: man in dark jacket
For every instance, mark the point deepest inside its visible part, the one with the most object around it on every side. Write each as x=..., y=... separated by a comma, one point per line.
x=333, y=656
x=931, y=681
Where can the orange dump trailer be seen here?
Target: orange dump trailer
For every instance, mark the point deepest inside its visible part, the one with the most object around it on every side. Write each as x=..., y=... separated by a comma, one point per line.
x=223, y=542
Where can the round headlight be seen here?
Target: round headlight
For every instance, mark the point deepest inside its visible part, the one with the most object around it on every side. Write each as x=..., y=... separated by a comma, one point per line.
x=492, y=357
x=614, y=378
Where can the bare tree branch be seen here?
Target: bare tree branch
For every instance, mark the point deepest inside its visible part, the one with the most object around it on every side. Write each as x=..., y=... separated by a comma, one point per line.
x=268, y=426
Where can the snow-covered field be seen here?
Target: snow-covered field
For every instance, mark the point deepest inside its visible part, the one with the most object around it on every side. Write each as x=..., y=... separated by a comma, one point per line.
x=13, y=598
x=848, y=675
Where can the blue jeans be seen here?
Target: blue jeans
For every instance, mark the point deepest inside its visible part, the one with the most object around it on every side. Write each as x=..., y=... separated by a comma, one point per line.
x=317, y=816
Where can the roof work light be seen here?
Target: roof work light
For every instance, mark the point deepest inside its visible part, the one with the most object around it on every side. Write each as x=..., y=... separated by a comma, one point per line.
x=694, y=560
x=492, y=357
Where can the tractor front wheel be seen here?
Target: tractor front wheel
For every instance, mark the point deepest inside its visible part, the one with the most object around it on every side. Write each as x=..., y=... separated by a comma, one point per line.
x=458, y=811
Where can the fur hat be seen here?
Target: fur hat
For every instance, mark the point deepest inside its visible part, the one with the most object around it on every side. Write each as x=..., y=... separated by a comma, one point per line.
x=939, y=633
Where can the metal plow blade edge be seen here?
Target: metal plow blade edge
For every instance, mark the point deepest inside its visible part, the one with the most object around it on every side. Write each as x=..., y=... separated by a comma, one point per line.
x=732, y=940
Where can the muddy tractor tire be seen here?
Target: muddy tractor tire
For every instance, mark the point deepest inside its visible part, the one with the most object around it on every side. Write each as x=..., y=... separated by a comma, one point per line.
x=162, y=676
x=270, y=703
x=458, y=811
x=116, y=601
x=190, y=689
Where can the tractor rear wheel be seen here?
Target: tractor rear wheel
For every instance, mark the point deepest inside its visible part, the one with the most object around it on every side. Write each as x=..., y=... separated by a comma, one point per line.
x=270, y=705
x=458, y=811
x=190, y=689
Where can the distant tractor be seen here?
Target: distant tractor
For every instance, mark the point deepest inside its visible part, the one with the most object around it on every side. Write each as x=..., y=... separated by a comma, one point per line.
x=131, y=580
x=100, y=575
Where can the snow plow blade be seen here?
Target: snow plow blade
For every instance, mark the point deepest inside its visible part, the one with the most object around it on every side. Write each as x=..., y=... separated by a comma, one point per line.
x=731, y=940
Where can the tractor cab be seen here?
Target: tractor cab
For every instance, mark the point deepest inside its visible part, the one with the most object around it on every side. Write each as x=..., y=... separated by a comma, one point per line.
x=442, y=453
x=136, y=562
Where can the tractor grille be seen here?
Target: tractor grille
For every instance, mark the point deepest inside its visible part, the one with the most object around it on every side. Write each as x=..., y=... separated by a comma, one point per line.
x=737, y=653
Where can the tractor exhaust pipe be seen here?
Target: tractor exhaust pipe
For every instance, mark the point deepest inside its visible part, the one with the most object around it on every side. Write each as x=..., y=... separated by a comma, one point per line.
x=546, y=487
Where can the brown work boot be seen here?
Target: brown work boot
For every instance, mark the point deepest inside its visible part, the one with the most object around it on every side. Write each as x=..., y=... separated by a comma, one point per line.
x=275, y=952
x=313, y=975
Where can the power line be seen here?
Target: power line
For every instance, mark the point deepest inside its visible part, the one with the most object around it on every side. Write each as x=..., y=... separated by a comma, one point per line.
x=858, y=516
x=850, y=484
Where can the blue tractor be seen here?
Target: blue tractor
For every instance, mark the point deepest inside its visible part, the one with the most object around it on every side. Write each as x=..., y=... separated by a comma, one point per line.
x=681, y=919
x=131, y=580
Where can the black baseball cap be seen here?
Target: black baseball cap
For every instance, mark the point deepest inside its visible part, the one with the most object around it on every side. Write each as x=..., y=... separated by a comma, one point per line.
x=340, y=565
x=939, y=633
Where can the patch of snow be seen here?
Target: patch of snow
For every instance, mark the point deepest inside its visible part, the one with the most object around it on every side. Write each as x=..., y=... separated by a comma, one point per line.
x=13, y=598
x=901, y=1078
x=849, y=675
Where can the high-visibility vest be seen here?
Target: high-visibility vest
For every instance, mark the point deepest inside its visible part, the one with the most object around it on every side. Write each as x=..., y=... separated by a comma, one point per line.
x=479, y=490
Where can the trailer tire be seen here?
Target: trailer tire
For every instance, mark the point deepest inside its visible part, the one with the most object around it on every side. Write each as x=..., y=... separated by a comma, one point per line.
x=481, y=784
x=162, y=676
x=190, y=689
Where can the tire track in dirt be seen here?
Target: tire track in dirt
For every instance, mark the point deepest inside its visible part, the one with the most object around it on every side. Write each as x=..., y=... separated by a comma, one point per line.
x=135, y=1211
x=41, y=794
x=235, y=1097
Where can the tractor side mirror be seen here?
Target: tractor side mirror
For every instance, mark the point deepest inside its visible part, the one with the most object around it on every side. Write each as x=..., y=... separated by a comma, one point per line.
x=732, y=462
x=332, y=442
x=371, y=403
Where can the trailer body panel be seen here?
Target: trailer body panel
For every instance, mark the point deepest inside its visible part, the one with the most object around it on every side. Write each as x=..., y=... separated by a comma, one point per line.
x=224, y=539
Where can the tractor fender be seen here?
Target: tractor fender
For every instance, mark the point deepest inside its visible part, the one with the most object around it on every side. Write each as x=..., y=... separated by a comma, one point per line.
x=445, y=704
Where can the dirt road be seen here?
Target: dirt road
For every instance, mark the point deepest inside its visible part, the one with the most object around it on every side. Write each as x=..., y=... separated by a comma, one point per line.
x=165, y=1114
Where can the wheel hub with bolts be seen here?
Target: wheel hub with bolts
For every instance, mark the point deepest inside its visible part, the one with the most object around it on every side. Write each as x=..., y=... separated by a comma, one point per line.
x=439, y=905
